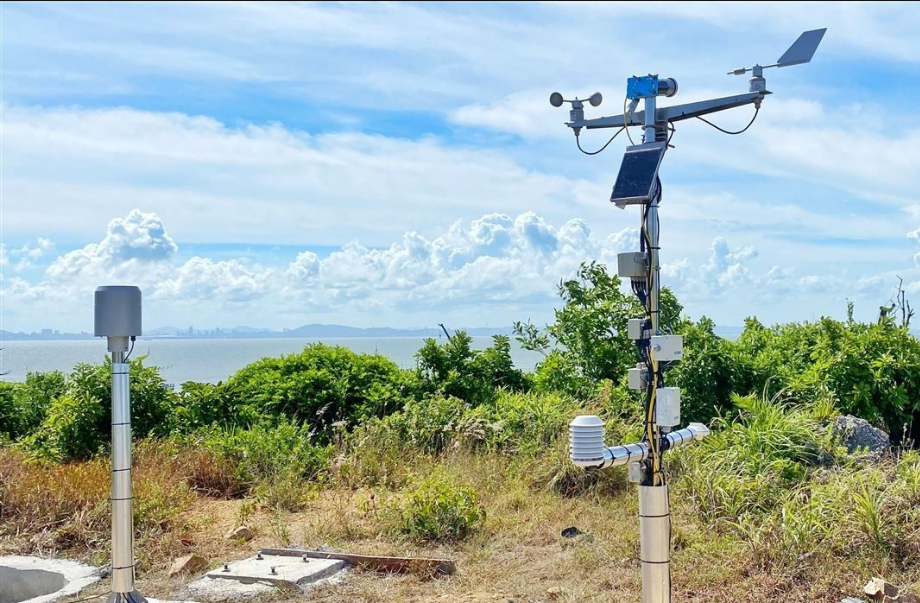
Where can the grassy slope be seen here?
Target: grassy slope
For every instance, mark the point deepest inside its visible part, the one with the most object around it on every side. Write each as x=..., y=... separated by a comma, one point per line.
x=518, y=556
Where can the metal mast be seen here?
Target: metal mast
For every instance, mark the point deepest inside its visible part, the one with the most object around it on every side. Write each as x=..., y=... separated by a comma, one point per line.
x=638, y=184
x=118, y=319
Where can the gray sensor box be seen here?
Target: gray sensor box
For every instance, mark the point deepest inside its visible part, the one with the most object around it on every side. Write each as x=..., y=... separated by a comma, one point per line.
x=632, y=264
x=118, y=311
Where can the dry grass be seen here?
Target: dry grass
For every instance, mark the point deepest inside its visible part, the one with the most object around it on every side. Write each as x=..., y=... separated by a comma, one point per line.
x=518, y=556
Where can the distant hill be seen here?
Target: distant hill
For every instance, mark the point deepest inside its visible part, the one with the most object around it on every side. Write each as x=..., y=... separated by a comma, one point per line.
x=310, y=331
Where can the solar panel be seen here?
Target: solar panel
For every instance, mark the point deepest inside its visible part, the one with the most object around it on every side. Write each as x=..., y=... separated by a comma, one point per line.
x=637, y=173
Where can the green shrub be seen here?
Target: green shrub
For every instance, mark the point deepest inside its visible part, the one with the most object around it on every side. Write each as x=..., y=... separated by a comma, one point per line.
x=745, y=466
x=10, y=421
x=525, y=423
x=455, y=369
x=708, y=375
x=433, y=424
x=528, y=423
x=203, y=404
x=23, y=406
x=323, y=385
x=77, y=424
x=436, y=510
x=588, y=342
x=272, y=461
x=73, y=429
x=151, y=401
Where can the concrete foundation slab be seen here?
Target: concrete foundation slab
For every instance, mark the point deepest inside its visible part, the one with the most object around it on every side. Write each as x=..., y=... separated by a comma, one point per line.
x=36, y=580
x=263, y=573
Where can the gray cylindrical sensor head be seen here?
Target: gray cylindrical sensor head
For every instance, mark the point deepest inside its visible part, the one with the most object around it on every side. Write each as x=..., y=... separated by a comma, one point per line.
x=118, y=311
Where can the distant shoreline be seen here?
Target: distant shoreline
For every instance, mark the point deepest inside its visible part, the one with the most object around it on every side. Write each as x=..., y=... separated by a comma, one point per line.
x=314, y=331
x=318, y=332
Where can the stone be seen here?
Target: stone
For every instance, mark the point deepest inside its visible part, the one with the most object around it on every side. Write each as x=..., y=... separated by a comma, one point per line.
x=190, y=564
x=242, y=533
x=860, y=437
x=553, y=592
x=879, y=590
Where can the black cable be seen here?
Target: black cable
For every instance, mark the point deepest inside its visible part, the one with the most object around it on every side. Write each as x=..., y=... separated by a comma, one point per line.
x=133, y=338
x=742, y=131
x=578, y=142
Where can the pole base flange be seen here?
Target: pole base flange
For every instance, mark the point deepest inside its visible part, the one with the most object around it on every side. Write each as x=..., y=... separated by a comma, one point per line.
x=131, y=597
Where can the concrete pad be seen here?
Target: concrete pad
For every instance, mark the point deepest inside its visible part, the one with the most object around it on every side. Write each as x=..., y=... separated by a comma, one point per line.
x=264, y=573
x=36, y=580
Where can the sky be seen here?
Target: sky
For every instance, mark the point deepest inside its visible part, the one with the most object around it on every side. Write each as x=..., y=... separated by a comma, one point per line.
x=398, y=164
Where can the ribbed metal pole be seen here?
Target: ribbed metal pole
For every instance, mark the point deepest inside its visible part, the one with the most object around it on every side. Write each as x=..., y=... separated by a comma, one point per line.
x=121, y=497
x=655, y=543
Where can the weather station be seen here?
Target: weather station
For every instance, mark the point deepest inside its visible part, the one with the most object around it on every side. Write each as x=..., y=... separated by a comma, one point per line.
x=638, y=183
x=118, y=319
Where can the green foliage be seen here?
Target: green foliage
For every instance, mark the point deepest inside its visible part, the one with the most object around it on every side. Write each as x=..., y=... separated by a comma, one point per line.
x=9, y=413
x=322, y=385
x=590, y=327
x=588, y=342
x=436, y=510
x=23, y=406
x=747, y=463
x=511, y=422
x=709, y=373
x=203, y=404
x=868, y=370
x=274, y=462
x=77, y=423
x=151, y=401
x=456, y=369
x=73, y=429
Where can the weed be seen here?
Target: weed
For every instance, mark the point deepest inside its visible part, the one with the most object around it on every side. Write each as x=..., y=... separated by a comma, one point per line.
x=437, y=510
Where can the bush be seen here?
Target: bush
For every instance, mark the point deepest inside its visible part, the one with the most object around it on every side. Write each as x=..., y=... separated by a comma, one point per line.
x=151, y=401
x=708, y=375
x=323, y=385
x=433, y=424
x=77, y=424
x=73, y=429
x=9, y=413
x=271, y=461
x=588, y=342
x=746, y=465
x=456, y=370
x=868, y=370
x=436, y=510
x=204, y=404
x=512, y=422
x=23, y=406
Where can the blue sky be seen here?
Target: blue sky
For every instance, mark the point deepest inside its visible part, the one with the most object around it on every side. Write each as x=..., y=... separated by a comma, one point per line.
x=398, y=164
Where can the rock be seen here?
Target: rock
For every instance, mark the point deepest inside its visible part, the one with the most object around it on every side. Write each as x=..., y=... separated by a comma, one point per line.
x=241, y=533
x=190, y=564
x=553, y=592
x=879, y=590
x=858, y=435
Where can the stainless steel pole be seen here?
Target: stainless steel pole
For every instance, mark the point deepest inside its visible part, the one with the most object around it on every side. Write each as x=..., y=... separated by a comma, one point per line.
x=121, y=498
x=655, y=543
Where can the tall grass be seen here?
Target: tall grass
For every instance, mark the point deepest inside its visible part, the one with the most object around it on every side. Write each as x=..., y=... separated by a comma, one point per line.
x=57, y=507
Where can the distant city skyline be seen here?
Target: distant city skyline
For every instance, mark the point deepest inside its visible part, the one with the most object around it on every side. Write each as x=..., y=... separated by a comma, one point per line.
x=398, y=164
